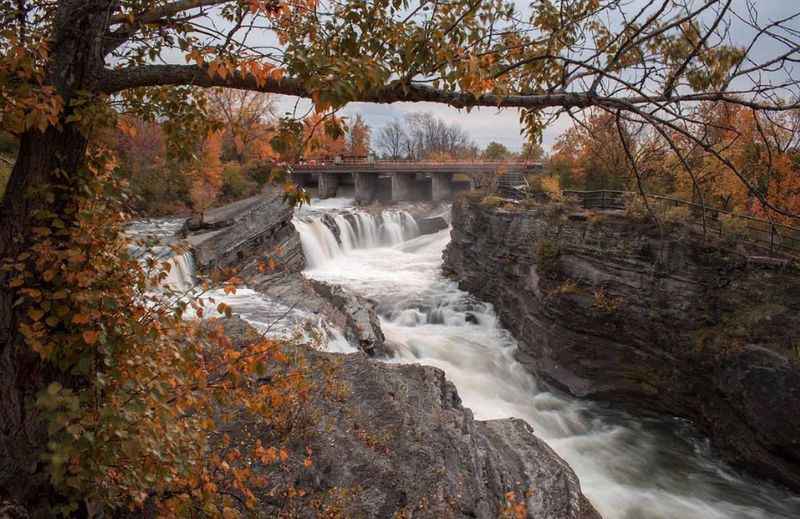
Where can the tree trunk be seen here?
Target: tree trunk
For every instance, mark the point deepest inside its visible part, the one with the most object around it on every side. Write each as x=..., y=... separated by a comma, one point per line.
x=43, y=178
x=22, y=373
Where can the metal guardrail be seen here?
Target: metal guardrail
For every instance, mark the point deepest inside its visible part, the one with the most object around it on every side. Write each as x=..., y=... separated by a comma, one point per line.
x=773, y=237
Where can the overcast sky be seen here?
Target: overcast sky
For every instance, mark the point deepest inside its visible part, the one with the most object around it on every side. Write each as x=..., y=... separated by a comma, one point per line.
x=485, y=125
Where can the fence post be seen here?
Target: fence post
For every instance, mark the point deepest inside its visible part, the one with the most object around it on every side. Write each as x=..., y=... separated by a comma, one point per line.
x=771, y=239
x=603, y=199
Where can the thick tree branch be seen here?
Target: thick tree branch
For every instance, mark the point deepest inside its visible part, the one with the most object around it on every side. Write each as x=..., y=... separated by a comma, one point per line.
x=165, y=11
x=113, y=81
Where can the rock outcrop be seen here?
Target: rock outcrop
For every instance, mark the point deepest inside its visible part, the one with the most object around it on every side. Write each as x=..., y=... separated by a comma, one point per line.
x=355, y=315
x=610, y=308
x=257, y=229
x=394, y=441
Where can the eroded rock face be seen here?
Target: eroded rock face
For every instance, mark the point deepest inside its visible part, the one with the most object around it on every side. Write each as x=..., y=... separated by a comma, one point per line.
x=357, y=317
x=247, y=232
x=608, y=308
x=394, y=441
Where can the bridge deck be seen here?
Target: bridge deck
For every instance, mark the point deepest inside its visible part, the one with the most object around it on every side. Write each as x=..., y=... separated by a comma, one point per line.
x=387, y=167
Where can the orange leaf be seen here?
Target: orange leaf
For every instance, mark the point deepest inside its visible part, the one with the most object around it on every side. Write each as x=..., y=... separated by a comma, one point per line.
x=90, y=336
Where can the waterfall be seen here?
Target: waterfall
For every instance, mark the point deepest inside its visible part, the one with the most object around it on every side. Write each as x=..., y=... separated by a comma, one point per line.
x=356, y=230
x=181, y=276
x=347, y=233
x=318, y=242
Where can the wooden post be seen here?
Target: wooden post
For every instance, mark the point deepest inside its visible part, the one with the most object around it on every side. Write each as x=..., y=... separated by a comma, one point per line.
x=771, y=239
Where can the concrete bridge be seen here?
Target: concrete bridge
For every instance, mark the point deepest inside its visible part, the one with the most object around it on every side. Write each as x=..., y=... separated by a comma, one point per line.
x=403, y=180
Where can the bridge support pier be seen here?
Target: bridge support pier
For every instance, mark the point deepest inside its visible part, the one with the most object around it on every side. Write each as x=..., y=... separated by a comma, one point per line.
x=441, y=186
x=403, y=186
x=365, y=186
x=303, y=179
x=328, y=185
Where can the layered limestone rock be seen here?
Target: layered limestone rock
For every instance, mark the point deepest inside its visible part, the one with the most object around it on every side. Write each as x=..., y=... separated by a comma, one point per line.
x=257, y=229
x=355, y=315
x=395, y=441
x=615, y=309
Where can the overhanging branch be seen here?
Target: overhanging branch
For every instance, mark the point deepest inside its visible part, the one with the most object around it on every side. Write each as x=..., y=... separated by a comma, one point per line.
x=117, y=80
x=165, y=11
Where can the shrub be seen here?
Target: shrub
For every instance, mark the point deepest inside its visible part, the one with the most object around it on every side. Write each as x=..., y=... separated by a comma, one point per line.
x=568, y=287
x=732, y=227
x=234, y=183
x=596, y=219
x=677, y=214
x=605, y=303
x=552, y=188
x=492, y=201
x=547, y=257
x=259, y=172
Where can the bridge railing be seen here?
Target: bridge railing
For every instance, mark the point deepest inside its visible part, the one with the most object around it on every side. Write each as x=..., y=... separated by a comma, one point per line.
x=388, y=164
x=772, y=237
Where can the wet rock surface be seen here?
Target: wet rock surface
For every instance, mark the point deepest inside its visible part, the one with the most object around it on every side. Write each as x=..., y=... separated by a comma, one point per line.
x=394, y=441
x=611, y=309
x=358, y=320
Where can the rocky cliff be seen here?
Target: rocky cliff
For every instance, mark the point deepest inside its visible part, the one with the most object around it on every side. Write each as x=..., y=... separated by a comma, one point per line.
x=614, y=309
x=394, y=441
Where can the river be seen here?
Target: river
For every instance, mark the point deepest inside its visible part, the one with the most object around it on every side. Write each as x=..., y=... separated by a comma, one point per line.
x=629, y=467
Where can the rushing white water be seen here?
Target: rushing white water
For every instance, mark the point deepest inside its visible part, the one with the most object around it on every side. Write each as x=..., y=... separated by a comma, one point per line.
x=630, y=468
x=356, y=230
x=272, y=317
x=154, y=238
x=181, y=273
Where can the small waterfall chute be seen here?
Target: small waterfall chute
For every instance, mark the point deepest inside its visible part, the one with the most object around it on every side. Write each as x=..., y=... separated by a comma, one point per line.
x=355, y=230
x=347, y=233
x=181, y=275
x=318, y=242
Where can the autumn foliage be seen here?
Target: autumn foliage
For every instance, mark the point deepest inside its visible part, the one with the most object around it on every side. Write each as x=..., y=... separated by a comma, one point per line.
x=738, y=160
x=207, y=177
x=143, y=391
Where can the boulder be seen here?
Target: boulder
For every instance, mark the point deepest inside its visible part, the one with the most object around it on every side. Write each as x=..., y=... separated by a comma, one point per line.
x=355, y=315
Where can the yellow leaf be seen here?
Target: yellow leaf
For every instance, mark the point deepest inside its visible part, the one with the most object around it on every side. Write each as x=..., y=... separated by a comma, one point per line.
x=35, y=314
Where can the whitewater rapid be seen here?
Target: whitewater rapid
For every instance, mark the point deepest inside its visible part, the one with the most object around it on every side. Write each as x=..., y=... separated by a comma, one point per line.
x=630, y=468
